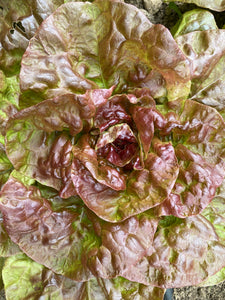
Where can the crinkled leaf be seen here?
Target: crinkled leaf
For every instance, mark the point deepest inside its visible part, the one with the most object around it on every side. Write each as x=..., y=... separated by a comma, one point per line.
x=101, y=44
x=186, y=252
x=104, y=174
x=194, y=20
x=200, y=153
x=18, y=23
x=145, y=188
x=206, y=52
x=24, y=278
x=217, y=5
x=33, y=144
x=71, y=240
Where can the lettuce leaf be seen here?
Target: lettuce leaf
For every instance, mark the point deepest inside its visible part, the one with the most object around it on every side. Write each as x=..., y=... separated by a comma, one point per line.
x=70, y=239
x=107, y=43
x=32, y=280
x=186, y=252
x=171, y=159
x=206, y=53
x=194, y=20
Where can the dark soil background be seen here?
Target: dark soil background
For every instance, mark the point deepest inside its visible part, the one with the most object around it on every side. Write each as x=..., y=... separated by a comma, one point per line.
x=163, y=13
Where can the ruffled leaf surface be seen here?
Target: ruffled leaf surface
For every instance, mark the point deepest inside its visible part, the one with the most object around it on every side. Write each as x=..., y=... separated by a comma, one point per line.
x=194, y=20
x=19, y=21
x=97, y=45
x=26, y=278
x=186, y=252
x=205, y=51
x=69, y=238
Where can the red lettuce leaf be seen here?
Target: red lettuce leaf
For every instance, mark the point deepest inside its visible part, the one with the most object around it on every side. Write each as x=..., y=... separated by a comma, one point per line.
x=84, y=54
x=144, y=188
x=186, y=252
x=68, y=238
x=19, y=21
x=41, y=152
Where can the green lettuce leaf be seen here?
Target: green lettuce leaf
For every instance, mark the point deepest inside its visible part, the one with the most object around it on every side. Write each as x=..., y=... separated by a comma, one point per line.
x=26, y=279
x=107, y=43
x=194, y=20
x=217, y=5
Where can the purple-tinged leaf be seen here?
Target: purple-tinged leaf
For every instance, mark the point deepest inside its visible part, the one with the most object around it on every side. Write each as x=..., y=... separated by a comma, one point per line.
x=68, y=238
x=33, y=143
x=145, y=188
x=186, y=252
x=72, y=52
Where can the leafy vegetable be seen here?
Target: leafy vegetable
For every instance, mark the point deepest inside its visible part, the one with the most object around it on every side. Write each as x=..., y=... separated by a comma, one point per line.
x=32, y=280
x=112, y=165
x=194, y=20
x=74, y=56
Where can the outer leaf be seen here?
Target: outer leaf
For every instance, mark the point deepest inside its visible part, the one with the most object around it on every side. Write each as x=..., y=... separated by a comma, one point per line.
x=18, y=23
x=186, y=253
x=217, y=5
x=200, y=154
x=70, y=239
x=2, y=261
x=106, y=43
x=194, y=20
x=31, y=281
x=206, y=53
x=214, y=279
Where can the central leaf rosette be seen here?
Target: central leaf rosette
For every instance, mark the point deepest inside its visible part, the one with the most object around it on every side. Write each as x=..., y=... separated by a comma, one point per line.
x=121, y=167
x=121, y=154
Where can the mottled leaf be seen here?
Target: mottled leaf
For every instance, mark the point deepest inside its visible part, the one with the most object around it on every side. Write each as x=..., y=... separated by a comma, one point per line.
x=194, y=20
x=31, y=281
x=88, y=45
x=70, y=239
x=205, y=51
x=33, y=144
x=186, y=252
